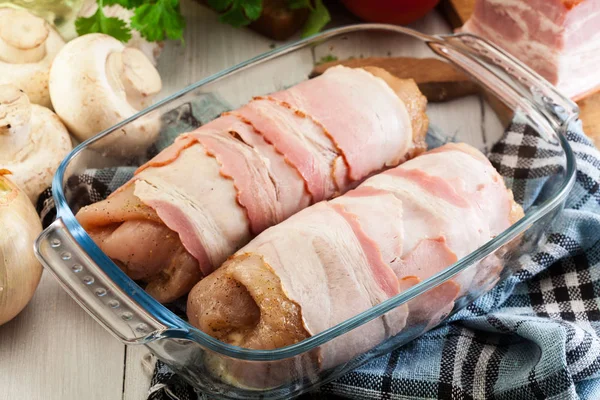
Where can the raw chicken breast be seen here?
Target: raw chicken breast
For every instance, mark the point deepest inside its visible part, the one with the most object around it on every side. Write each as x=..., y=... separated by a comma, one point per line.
x=213, y=189
x=336, y=259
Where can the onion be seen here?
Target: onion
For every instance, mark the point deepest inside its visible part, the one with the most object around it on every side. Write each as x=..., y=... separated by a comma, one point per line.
x=20, y=272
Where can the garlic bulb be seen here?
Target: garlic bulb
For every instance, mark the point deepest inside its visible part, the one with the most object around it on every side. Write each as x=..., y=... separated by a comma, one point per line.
x=20, y=272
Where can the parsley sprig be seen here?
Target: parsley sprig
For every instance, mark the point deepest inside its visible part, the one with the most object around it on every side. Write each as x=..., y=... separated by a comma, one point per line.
x=318, y=17
x=100, y=23
x=158, y=20
x=155, y=20
x=237, y=13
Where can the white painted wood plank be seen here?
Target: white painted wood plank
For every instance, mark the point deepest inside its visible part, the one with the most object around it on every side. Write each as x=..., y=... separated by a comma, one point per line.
x=211, y=46
x=139, y=366
x=207, y=48
x=460, y=119
x=53, y=350
x=492, y=125
x=381, y=44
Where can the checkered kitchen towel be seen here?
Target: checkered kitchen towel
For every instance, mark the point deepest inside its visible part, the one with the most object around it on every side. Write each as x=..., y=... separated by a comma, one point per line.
x=534, y=336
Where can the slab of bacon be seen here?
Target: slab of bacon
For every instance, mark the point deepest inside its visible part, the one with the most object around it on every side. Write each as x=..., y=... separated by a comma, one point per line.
x=560, y=39
x=336, y=259
x=213, y=189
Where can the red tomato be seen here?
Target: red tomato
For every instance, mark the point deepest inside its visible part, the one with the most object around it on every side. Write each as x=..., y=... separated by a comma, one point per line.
x=399, y=12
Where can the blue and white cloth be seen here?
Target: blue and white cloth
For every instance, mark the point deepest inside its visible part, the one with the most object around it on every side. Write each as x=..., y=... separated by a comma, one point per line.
x=534, y=336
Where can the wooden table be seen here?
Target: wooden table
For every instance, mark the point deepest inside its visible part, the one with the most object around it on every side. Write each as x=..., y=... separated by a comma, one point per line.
x=53, y=350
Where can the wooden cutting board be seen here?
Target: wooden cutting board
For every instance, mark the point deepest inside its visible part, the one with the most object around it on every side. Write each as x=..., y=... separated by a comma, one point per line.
x=457, y=12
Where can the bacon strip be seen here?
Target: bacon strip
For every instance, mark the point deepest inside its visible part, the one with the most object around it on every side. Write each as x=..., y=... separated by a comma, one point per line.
x=359, y=128
x=299, y=139
x=255, y=189
x=384, y=275
x=336, y=259
x=251, y=168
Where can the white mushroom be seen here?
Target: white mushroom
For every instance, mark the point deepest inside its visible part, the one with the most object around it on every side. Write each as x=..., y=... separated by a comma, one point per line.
x=27, y=47
x=152, y=50
x=33, y=141
x=97, y=82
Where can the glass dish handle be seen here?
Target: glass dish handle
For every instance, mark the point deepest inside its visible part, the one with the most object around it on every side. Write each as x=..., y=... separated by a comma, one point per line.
x=85, y=281
x=518, y=85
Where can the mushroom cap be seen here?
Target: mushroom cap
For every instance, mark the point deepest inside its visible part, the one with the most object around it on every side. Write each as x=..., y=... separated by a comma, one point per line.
x=27, y=47
x=35, y=149
x=24, y=32
x=15, y=117
x=152, y=50
x=96, y=82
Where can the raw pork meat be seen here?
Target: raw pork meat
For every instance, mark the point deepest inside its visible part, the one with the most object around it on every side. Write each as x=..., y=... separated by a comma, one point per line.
x=560, y=39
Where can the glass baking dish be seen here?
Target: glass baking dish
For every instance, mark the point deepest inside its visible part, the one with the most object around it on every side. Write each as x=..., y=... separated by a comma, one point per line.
x=226, y=371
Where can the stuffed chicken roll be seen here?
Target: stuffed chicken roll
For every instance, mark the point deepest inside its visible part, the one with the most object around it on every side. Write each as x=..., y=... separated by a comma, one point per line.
x=208, y=194
x=339, y=258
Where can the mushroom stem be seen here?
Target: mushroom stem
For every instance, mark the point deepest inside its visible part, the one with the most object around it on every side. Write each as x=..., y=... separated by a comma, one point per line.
x=22, y=37
x=15, y=117
x=132, y=72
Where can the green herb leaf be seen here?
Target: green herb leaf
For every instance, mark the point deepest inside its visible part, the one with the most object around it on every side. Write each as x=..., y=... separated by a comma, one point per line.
x=159, y=20
x=235, y=17
x=318, y=18
x=237, y=13
x=326, y=59
x=123, y=3
x=136, y=3
x=253, y=8
x=219, y=5
x=297, y=4
x=100, y=23
x=87, y=25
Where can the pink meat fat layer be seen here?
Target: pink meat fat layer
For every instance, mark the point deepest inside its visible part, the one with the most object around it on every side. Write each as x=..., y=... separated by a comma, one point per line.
x=433, y=184
x=255, y=190
x=268, y=188
x=381, y=218
x=557, y=24
x=464, y=148
x=384, y=275
x=429, y=257
x=169, y=154
x=559, y=39
x=290, y=191
x=361, y=129
x=439, y=302
x=201, y=208
x=175, y=219
x=366, y=191
x=298, y=155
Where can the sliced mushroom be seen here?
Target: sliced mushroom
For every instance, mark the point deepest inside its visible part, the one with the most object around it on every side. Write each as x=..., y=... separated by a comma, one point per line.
x=27, y=47
x=33, y=141
x=152, y=50
x=97, y=82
